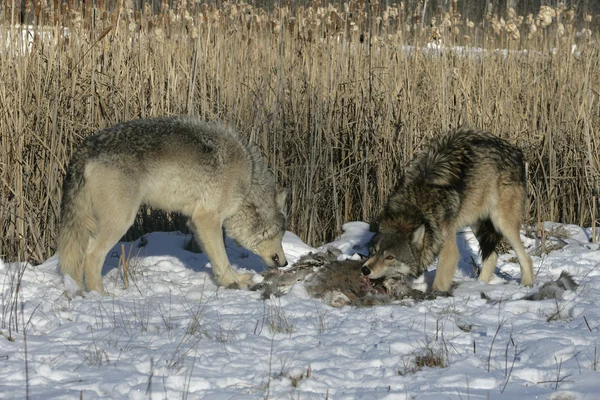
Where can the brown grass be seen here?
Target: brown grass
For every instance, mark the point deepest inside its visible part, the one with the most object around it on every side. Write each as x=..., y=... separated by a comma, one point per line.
x=334, y=97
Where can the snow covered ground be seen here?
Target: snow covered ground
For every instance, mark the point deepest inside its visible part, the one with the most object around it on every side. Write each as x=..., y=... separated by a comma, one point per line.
x=174, y=335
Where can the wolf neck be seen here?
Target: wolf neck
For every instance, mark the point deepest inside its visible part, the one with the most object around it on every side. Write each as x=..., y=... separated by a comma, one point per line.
x=261, y=177
x=405, y=218
x=257, y=206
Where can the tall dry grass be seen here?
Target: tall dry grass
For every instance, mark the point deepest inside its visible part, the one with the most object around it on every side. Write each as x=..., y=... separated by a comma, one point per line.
x=339, y=98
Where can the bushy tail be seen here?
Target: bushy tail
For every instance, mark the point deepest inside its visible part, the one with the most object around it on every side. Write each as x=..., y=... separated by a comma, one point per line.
x=77, y=221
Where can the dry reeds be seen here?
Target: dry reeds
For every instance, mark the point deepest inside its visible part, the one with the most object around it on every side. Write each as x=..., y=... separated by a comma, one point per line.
x=339, y=98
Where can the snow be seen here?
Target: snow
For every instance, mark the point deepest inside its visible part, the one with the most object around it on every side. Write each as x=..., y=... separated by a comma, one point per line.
x=173, y=334
x=24, y=37
x=19, y=39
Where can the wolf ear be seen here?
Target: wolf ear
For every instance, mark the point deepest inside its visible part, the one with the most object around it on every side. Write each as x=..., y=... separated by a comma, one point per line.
x=281, y=198
x=373, y=243
x=418, y=237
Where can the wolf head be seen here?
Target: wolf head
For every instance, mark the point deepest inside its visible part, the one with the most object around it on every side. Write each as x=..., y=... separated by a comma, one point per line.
x=259, y=226
x=395, y=254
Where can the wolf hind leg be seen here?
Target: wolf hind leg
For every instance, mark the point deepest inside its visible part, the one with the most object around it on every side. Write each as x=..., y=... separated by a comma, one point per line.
x=507, y=219
x=115, y=207
x=209, y=232
x=109, y=233
x=447, y=263
x=488, y=238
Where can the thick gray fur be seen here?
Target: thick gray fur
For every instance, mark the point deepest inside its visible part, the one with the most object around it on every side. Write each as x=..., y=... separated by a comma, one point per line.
x=178, y=164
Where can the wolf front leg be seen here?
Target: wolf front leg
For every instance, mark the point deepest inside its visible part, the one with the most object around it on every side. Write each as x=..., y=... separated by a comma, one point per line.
x=208, y=231
x=447, y=262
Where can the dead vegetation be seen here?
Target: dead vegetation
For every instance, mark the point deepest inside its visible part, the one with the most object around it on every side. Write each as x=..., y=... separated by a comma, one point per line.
x=339, y=97
x=431, y=353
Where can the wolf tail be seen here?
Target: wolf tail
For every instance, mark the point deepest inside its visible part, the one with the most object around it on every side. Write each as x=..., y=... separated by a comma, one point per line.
x=488, y=237
x=77, y=220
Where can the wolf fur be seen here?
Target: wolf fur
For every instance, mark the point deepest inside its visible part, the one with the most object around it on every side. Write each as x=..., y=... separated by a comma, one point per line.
x=203, y=170
x=466, y=177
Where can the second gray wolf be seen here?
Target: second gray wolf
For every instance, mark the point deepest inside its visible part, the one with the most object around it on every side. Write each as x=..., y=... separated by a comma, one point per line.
x=181, y=164
x=466, y=177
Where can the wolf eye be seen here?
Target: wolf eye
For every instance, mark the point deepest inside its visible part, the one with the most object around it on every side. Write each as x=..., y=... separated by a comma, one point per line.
x=389, y=257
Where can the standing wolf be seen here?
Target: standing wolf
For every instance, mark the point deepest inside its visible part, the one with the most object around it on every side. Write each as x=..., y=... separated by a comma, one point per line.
x=202, y=170
x=464, y=178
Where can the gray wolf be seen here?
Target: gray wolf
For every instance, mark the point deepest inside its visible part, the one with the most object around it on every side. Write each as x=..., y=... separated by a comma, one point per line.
x=466, y=177
x=203, y=170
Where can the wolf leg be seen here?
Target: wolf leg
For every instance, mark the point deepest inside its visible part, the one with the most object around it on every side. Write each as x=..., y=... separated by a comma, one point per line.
x=512, y=234
x=487, y=267
x=208, y=231
x=447, y=262
x=115, y=204
x=95, y=254
x=507, y=219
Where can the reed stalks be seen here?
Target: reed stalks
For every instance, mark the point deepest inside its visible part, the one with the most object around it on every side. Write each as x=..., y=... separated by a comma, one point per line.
x=339, y=98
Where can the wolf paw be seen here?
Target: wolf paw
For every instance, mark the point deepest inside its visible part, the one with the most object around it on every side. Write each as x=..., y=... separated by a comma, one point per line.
x=237, y=281
x=101, y=293
x=528, y=282
x=337, y=299
x=434, y=294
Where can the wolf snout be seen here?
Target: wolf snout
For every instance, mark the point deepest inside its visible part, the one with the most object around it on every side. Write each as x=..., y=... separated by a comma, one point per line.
x=366, y=270
x=277, y=262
